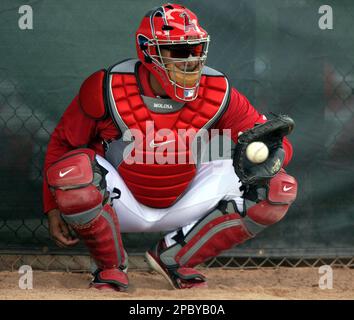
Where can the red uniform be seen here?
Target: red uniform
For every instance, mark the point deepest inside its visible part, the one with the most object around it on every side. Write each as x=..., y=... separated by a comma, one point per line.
x=77, y=129
x=172, y=46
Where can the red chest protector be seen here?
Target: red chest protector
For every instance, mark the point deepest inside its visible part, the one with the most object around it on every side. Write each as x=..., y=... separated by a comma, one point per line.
x=157, y=184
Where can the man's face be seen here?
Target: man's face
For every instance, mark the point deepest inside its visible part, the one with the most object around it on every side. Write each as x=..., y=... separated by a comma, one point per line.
x=179, y=54
x=182, y=62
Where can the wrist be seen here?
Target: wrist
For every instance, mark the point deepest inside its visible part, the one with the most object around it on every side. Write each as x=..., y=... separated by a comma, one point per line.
x=53, y=212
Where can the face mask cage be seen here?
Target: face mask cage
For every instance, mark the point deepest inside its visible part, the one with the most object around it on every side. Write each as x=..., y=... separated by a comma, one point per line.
x=183, y=64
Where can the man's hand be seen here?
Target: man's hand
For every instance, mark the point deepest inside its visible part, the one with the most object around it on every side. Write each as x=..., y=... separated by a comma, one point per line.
x=61, y=233
x=271, y=134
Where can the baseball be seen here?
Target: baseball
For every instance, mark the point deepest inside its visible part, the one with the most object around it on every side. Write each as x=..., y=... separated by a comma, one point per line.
x=257, y=152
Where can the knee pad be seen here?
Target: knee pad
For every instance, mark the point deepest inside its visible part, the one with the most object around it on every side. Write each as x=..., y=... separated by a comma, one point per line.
x=77, y=182
x=268, y=204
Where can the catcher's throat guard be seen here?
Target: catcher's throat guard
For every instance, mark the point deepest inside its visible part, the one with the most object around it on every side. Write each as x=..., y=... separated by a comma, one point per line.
x=271, y=134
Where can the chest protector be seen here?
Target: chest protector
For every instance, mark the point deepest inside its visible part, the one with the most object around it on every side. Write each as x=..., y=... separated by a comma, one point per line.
x=153, y=182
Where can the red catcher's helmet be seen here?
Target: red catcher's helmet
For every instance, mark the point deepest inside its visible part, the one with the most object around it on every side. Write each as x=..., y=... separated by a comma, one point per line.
x=173, y=47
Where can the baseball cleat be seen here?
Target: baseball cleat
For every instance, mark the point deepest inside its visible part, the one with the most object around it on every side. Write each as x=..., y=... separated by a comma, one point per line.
x=110, y=279
x=178, y=277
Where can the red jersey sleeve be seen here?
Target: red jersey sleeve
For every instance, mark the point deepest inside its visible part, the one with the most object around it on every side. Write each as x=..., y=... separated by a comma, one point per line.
x=241, y=115
x=74, y=130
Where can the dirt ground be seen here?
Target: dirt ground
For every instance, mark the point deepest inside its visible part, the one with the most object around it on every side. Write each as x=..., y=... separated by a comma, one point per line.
x=283, y=283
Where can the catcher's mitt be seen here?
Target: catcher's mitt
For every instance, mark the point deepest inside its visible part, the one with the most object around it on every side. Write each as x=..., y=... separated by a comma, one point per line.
x=271, y=133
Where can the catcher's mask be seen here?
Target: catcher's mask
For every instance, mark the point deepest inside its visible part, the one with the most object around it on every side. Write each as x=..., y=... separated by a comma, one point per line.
x=173, y=47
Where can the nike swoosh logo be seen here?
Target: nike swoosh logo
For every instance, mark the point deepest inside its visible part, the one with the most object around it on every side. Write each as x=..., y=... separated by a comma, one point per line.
x=286, y=189
x=63, y=174
x=155, y=145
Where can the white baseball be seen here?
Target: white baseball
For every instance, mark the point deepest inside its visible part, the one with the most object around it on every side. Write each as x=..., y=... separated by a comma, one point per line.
x=257, y=152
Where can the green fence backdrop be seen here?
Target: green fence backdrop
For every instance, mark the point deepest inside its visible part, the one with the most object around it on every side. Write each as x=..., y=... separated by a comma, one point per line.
x=272, y=50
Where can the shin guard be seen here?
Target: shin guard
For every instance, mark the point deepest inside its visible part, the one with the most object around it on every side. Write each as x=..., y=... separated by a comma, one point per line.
x=78, y=184
x=225, y=227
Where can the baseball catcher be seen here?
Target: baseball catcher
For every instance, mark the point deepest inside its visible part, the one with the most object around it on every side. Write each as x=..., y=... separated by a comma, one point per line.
x=121, y=159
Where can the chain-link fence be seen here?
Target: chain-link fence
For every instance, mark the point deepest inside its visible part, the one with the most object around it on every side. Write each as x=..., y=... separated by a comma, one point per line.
x=273, y=51
x=83, y=263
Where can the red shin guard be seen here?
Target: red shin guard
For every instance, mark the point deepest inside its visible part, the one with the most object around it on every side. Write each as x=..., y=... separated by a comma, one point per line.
x=224, y=227
x=78, y=184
